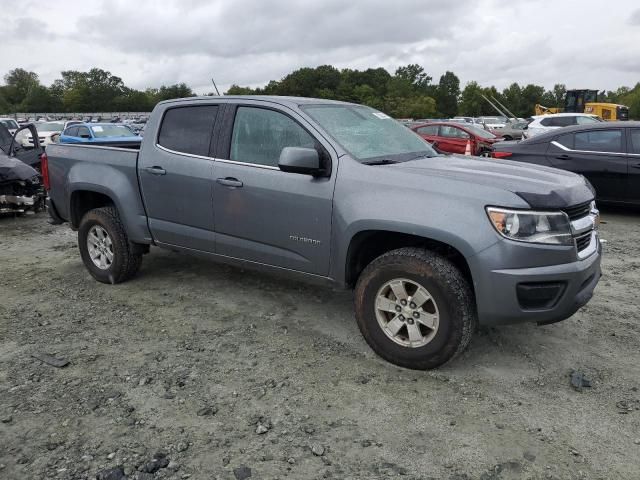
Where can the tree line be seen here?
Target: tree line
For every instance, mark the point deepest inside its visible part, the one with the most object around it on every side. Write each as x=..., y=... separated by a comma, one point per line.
x=409, y=92
x=94, y=91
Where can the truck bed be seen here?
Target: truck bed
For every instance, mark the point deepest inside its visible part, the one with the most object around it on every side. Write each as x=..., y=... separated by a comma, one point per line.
x=111, y=171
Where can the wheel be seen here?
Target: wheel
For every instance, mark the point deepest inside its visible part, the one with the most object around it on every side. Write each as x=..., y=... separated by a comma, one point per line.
x=105, y=248
x=507, y=137
x=485, y=153
x=415, y=308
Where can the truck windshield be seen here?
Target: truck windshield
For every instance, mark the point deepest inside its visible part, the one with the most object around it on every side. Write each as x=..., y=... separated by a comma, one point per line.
x=104, y=131
x=368, y=134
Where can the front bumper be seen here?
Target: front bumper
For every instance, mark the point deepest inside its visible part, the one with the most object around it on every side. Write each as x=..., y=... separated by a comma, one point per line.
x=500, y=300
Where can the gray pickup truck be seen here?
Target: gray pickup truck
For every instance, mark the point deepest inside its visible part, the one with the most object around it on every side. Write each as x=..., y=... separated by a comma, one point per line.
x=341, y=194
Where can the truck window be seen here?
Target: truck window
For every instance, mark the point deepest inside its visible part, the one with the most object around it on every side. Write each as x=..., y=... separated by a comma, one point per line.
x=599, y=141
x=259, y=135
x=635, y=140
x=188, y=129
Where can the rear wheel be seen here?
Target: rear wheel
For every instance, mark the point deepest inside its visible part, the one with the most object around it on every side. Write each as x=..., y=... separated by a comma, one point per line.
x=415, y=308
x=105, y=248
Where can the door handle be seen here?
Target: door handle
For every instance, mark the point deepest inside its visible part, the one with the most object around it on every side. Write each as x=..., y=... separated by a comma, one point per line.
x=156, y=170
x=230, y=182
x=563, y=157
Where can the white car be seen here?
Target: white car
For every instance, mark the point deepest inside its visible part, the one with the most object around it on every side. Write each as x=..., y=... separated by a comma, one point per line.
x=545, y=123
x=48, y=133
x=11, y=124
x=493, y=122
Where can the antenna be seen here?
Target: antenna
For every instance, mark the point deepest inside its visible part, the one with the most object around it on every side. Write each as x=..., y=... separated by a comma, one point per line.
x=214, y=86
x=505, y=108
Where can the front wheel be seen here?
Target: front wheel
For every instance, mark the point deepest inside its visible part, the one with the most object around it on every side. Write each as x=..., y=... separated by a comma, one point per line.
x=105, y=248
x=415, y=308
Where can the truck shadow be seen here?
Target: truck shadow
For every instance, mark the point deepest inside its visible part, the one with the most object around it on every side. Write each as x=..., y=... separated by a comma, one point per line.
x=313, y=310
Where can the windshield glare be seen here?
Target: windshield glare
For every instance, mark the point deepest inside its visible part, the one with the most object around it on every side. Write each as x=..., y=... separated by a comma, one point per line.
x=104, y=131
x=368, y=134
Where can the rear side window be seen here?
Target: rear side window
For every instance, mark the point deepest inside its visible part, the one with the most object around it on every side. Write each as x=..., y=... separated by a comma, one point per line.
x=561, y=121
x=259, y=135
x=635, y=140
x=599, y=141
x=430, y=130
x=188, y=129
x=586, y=120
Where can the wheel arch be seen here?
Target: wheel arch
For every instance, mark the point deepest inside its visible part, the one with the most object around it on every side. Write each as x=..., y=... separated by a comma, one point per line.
x=366, y=245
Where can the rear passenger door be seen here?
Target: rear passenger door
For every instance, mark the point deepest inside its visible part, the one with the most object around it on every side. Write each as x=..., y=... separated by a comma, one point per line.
x=263, y=214
x=176, y=178
x=599, y=155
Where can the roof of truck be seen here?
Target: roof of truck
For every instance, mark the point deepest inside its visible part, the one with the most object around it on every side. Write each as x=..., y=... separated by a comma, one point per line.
x=265, y=98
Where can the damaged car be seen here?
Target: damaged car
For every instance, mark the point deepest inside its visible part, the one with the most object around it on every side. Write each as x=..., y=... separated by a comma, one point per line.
x=21, y=189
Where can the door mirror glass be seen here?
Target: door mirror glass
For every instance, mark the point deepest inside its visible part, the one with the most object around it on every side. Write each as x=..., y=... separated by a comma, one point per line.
x=300, y=160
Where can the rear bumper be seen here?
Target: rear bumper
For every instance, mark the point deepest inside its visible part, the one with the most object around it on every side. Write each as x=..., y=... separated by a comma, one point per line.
x=55, y=218
x=509, y=296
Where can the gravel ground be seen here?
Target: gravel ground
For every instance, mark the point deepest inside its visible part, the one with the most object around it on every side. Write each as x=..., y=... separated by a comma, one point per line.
x=196, y=370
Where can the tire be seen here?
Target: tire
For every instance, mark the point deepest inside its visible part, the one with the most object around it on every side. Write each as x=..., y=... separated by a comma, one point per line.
x=451, y=302
x=125, y=260
x=507, y=138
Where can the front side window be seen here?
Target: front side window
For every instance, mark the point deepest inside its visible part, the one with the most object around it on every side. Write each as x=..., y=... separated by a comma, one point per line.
x=71, y=132
x=368, y=134
x=188, y=129
x=565, y=140
x=83, y=132
x=599, y=141
x=259, y=135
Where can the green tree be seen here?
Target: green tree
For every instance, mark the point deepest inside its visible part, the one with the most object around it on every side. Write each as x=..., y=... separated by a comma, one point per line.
x=447, y=95
x=18, y=83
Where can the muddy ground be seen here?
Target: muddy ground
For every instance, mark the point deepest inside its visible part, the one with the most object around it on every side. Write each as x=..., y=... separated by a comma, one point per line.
x=214, y=371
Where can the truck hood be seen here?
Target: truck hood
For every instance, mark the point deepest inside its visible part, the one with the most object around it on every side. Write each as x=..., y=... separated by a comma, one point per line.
x=539, y=186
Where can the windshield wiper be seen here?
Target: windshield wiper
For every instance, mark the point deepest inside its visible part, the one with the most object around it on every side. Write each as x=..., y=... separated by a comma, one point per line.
x=384, y=161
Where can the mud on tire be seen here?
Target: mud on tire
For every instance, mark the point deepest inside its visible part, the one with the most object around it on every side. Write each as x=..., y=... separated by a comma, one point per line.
x=450, y=292
x=126, y=260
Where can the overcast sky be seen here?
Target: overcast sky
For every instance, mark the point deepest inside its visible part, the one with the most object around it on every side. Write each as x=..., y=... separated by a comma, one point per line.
x=582, y=43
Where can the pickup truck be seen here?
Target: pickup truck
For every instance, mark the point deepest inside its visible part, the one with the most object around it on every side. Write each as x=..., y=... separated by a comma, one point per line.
x=339, y=194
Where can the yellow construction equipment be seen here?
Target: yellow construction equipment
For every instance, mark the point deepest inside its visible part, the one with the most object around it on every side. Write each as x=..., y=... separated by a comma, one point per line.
x=586, y=101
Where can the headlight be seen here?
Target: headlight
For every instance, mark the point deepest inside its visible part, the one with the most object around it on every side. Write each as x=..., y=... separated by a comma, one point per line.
x=550, y=228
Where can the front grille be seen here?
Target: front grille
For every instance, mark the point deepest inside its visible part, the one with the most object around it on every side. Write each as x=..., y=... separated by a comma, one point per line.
x=583, y=241
x=578, y=211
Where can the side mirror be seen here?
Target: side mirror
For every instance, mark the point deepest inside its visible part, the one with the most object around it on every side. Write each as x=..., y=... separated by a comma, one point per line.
x=300, y=160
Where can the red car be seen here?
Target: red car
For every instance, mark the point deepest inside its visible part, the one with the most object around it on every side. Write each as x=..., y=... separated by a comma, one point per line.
x=449, y=137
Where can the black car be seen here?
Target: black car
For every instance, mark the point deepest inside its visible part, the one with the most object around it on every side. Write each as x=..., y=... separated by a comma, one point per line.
x=21, y=188
x=607, y=153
